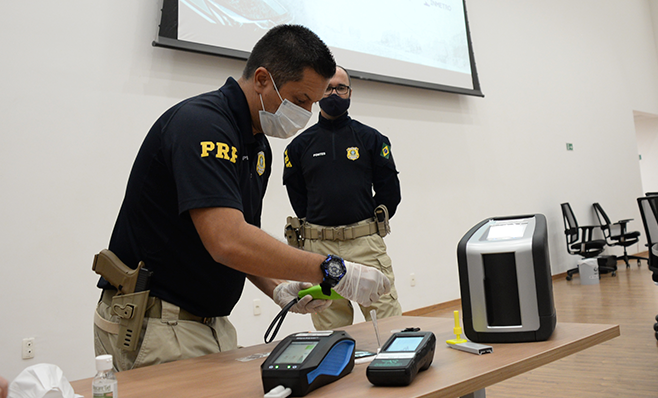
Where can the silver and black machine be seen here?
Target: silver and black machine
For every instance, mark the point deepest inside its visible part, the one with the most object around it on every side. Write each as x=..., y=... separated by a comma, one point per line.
x=505, y=280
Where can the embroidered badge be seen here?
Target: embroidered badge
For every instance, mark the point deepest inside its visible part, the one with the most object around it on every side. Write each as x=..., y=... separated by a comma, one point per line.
x=386, y=151
x=286, y=159
x=260, y=165
x=353, y=153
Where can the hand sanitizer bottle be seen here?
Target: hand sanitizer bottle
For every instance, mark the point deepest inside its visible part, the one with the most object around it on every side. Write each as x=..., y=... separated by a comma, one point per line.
x=104, y=384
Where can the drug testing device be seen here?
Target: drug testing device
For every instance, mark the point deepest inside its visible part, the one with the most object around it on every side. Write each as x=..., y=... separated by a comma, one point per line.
x=306, y=361
x=401, y=358
x=317, y=294
x=505, y=280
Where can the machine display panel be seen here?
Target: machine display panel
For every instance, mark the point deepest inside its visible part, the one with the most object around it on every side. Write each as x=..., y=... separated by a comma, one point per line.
x=296, y=352
x=404, y=344
x=507, y=230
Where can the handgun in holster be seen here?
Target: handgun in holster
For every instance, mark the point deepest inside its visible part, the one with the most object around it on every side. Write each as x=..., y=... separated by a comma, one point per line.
x=381, y=218
x=131, y=301
x=293, y=232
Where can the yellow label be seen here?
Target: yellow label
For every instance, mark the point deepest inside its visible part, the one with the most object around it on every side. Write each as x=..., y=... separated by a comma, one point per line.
x=220, y=150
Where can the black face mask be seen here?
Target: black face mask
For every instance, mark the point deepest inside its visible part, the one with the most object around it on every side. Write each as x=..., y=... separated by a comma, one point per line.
x=334, y=105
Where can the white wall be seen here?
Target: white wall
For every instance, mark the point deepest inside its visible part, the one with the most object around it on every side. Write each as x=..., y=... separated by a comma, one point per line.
x=646, y=130
x=82, y=85
x=654, y=17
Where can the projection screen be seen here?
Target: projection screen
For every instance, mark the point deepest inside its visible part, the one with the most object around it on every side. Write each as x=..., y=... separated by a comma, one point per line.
x=418, y=43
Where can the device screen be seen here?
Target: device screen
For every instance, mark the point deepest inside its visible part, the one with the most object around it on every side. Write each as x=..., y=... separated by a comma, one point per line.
x=507, y=230
x=405, y=343
x=296, y=352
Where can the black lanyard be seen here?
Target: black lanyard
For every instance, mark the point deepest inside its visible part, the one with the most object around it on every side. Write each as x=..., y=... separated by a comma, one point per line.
x=278, y=320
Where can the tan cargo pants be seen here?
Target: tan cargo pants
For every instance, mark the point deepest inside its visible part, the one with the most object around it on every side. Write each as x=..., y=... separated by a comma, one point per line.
x=367, y=250
x=163, y=339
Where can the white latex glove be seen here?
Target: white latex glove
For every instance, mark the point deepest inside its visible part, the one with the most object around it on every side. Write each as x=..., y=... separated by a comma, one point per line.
x=286, y=291
x=362, y=284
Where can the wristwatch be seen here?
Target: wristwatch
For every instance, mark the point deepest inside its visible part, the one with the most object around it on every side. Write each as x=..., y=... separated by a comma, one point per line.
x=333, y=269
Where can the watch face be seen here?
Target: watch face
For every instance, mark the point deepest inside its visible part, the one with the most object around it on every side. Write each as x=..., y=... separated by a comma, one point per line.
x=334, y=268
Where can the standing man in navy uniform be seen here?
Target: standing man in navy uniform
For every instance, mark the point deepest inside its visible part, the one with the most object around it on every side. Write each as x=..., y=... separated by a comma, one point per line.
x=330, y=172
x=192, y=208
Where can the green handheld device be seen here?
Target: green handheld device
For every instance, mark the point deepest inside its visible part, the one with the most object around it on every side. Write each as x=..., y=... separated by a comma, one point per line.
x=316, y=293
x=313, y=291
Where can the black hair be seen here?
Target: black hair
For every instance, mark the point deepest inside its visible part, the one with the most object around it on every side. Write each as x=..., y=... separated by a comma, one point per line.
x=286, y=50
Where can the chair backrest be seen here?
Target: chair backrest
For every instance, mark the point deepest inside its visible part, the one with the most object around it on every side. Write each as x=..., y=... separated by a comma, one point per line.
x=570, y=224
x=603, y=219
x=648, y=210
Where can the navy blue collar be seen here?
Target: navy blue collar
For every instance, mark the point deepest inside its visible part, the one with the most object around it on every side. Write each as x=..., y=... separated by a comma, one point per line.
x=334, y=124
x=238, y=104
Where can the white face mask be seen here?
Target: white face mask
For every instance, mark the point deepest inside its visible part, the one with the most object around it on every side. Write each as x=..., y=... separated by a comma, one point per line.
x=287, y=120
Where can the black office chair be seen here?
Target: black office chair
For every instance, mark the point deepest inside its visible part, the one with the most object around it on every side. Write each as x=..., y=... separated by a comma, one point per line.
x=648, y=209
x=580, y=241
x=621, y=237
x=649, y=212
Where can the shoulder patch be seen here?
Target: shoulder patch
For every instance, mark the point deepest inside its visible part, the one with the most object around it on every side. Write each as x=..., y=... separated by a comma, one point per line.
x=286, y=159
x=353, y=153
x=386, y=151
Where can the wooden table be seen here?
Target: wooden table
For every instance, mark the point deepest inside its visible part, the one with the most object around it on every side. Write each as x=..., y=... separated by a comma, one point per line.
x=452, y=374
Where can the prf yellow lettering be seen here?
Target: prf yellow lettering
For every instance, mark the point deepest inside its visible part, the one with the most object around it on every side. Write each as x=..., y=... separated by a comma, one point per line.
x=222, y=150
x=208, y=147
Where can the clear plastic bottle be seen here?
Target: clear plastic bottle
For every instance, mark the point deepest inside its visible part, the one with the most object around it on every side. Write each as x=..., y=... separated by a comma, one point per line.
x=104, y=384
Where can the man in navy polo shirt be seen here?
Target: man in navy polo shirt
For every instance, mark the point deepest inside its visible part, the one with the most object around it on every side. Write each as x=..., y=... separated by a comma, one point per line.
x=193, y=203
x=355, y=160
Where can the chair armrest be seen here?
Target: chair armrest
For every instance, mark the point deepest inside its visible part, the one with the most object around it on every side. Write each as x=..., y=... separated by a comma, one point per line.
x=622, y=225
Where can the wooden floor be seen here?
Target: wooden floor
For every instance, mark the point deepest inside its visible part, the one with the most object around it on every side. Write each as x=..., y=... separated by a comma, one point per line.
x=623, y=367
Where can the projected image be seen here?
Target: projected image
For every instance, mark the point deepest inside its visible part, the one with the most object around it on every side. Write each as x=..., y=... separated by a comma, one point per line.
x=264, y=14
x=427, y=32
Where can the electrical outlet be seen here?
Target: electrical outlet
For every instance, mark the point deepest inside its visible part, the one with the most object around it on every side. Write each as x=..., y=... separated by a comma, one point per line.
x=412, y=279
x=28, y=347
x=257, y=309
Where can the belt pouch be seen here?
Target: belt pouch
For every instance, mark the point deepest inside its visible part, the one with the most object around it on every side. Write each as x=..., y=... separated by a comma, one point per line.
x=381, y=218
x=292, y=232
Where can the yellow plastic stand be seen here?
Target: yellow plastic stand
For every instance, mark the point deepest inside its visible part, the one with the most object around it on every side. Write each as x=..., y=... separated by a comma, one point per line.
x=458, y=331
